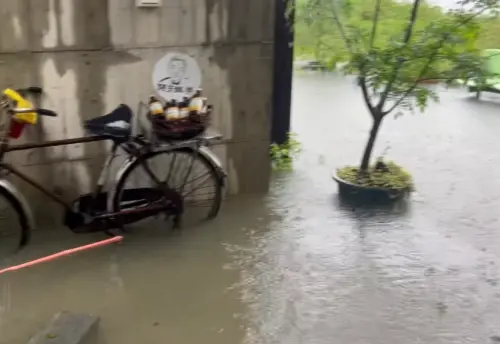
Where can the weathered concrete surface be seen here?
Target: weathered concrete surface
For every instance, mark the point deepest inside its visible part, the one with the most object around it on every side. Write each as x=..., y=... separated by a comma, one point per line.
x=69, y=328
x=91, y=55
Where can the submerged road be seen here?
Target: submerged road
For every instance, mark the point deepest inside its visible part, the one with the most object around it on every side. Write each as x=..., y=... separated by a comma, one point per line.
x=298, y=266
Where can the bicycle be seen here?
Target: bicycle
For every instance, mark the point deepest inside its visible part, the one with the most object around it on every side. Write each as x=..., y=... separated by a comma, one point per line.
x=124, y=203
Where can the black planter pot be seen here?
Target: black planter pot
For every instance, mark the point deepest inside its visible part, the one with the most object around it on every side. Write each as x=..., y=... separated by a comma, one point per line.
x=367, y=194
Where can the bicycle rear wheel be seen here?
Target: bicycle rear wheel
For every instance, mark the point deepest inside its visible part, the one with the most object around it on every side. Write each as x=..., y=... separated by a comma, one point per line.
x=14, y=229
x=186, y=172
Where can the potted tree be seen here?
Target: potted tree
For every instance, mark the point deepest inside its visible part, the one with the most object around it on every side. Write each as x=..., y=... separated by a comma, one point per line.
x=392, y=71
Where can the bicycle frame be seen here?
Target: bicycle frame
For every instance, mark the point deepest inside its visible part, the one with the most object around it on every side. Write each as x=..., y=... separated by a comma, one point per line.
x=5, y=148
x=134, y=147
x=6, y=168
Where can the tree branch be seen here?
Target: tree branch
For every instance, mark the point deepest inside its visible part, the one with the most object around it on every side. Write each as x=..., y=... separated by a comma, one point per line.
x=366, y=95
x=406, y=40
x=413, y=20
x=375, y=23
x=364, y=87
x=429, y=62
x=340, y=27
x=411, y=88
x=451, y=77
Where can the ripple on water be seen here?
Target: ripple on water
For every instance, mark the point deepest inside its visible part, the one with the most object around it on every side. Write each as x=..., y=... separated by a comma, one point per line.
x=423, y=273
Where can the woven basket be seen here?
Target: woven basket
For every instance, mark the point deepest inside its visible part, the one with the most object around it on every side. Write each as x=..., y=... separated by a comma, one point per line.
x=180, y=129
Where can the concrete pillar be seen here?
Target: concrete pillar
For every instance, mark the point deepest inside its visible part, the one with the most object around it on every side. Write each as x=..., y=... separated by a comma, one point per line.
x=91, y=55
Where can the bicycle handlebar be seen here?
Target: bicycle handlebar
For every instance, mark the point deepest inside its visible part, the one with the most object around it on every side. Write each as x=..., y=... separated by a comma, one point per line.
x=41, y=112
x=23, y=92
x=30, y=90
x=46, y=112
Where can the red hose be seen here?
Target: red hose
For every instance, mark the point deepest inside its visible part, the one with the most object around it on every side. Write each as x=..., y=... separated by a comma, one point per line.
x=62, y=254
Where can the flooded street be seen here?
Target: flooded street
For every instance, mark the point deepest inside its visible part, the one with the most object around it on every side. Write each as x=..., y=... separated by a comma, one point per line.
x=298, y=266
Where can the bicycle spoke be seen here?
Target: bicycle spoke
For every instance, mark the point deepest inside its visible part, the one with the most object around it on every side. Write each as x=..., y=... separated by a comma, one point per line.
x=146, y=168
x=197, y=178
x=189, y=193
x=187, y=175
x=179, y=169
x=171, y=169
x=199, y=204
x=203, y=194
x=185, y=172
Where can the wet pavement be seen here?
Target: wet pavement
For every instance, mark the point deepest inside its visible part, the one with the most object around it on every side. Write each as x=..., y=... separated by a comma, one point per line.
x=299, y=266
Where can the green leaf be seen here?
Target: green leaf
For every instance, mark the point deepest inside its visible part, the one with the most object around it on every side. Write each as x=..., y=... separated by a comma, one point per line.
x=407, y=49
x=445, y=45
x=282, y=156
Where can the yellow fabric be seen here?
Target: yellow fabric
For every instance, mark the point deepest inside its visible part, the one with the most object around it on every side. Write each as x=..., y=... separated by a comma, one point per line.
x=22, y=103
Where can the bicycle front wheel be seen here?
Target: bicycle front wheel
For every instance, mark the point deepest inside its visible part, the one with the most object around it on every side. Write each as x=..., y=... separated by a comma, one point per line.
x=185, y=171
x=14, y=229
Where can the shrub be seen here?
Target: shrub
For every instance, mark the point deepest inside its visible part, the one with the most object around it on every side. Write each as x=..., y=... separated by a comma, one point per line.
x=393, y=177
x=282, y=155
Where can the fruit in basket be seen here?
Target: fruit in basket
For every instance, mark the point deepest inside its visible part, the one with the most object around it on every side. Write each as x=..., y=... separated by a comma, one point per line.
x=172, y=112
x=155, y=106
x=184, y=108
x=196, y=103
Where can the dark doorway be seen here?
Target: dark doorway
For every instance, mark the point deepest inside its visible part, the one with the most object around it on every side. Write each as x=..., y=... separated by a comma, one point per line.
x=283, y=70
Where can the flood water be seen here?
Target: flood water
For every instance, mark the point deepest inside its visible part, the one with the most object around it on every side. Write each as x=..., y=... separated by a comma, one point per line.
x=298, y=265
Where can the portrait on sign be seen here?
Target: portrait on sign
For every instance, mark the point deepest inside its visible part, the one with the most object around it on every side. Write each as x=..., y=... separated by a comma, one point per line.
x=176, y=76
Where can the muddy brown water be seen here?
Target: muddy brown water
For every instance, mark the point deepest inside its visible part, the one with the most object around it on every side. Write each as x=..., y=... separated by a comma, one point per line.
x=298, y=265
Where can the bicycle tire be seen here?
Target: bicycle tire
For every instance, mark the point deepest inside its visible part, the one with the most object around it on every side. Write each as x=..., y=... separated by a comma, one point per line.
x=22, y=219
x=214, y=175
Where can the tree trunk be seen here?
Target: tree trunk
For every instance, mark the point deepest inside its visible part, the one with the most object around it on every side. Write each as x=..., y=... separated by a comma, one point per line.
x=365, y=162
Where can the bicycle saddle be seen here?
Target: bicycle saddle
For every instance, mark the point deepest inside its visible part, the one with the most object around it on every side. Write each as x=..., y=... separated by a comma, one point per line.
x=116, y=125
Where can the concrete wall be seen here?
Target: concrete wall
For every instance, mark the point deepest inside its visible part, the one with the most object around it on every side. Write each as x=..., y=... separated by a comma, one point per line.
x=90, y=55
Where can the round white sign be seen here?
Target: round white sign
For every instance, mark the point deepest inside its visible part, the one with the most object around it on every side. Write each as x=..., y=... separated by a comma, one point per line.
x=176, y=76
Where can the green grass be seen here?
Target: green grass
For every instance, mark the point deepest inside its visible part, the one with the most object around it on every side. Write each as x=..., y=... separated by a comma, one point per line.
x=395, y=178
